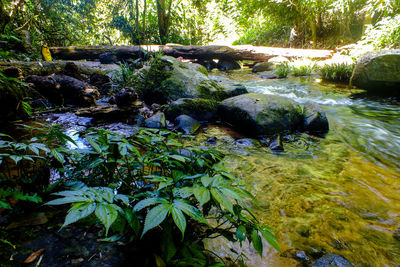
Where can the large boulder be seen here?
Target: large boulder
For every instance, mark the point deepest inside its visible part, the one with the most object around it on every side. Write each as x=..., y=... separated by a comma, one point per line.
x=197, y=108
x=156, y=121
x=378, y=72
x=262, y=66
x=168, y=79
x=226, y=64
x=259, y=114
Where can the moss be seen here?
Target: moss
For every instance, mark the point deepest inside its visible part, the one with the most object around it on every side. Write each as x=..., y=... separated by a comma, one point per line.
x=199, y=108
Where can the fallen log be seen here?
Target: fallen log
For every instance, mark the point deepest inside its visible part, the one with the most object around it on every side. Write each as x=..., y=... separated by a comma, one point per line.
x=49, y=67
x=245, y=52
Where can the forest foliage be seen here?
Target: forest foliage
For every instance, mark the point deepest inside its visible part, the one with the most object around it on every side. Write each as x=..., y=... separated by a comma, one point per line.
x=321, y=23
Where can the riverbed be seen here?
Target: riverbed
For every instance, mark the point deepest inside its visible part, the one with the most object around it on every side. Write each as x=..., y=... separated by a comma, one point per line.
x=336, y=194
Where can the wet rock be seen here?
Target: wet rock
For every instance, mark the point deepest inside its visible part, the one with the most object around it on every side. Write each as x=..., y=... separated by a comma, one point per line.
x=107, y=58
x=315, y=121
x=268, y=75
x=333, y=260
x=235, y=89
x=262, y=66
x=168, y=79
x=259, y=114
x=126, y=97
x=298, y=255
x=226, y=64
x=155, y=107
x=198, y=108
x=276, y=144
x=186, y=124
x=156, y=121
x=101, y=81
x=378, y=72
x=247, y=142
x=212, y=140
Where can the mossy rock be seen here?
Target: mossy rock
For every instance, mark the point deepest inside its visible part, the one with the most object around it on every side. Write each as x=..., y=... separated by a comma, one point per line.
x=12, y=94
x=378, y=72
x=259, y=114
x=198, y=108
x=168, y=79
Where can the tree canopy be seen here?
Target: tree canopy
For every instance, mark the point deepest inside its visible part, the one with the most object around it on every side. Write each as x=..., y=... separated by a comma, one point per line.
x=322, y=23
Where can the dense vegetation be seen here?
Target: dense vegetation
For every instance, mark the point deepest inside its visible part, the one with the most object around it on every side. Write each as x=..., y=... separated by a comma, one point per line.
x=322, y=23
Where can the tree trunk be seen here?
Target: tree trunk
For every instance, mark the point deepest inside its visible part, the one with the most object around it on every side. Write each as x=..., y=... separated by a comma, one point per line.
x=255, y=53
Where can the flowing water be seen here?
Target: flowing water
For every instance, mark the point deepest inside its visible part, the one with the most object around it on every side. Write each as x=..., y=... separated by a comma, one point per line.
x=337, y=194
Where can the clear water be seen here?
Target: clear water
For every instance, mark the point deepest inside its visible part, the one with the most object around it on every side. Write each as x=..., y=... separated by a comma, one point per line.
x=338, y=194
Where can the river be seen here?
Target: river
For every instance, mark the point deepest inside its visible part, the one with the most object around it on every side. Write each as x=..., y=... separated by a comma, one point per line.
x=335, y=194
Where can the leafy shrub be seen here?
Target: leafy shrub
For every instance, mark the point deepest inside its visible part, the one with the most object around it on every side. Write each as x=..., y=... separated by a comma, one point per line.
x=302, y=67
x=136, y=185
x=282, y=70
x=126, y=77
x=337, y=72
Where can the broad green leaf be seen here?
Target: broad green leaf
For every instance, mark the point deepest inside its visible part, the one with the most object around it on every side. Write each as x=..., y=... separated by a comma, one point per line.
x=206, y=180
x=155, y=216
x=123, y=198
x=202, y=194
x=222, y=199
x=111, y=239
x=179, y=219
x=68, y=193
x=178, y=158
x=94, y=163
x=16, y=158
x=132, y=220
x=40, y=146
x=241, y=233
x=79, y=211
x=93, y=143
x=106, y=193
x=257, y=243
x=58, y=156
x=230, y=193
x=270, y=238
x=184, y=192
x=148, y=202
x=107, y=214
x=66, y=200
x=123, y=148
x=189, y=210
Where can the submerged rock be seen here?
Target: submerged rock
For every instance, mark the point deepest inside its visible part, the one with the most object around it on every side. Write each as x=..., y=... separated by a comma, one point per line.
x=197, y=108
x=378, y=72
x=333, y=260
x=156, y=121
x=168, y=79
x=315, y=121
x=259, y=114
x=187, y=124
x=276, y=144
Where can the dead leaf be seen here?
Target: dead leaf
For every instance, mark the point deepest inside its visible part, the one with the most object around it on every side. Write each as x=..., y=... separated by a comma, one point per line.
x=34, y=255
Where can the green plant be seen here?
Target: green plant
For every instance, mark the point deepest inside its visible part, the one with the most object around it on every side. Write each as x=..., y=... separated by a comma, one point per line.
x=337, y=72
x=302, y=70
x=126, y=76
x=150, y=181
x=282, y=70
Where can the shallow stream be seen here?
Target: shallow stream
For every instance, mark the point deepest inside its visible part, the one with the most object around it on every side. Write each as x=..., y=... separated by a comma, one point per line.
x=335, y=194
